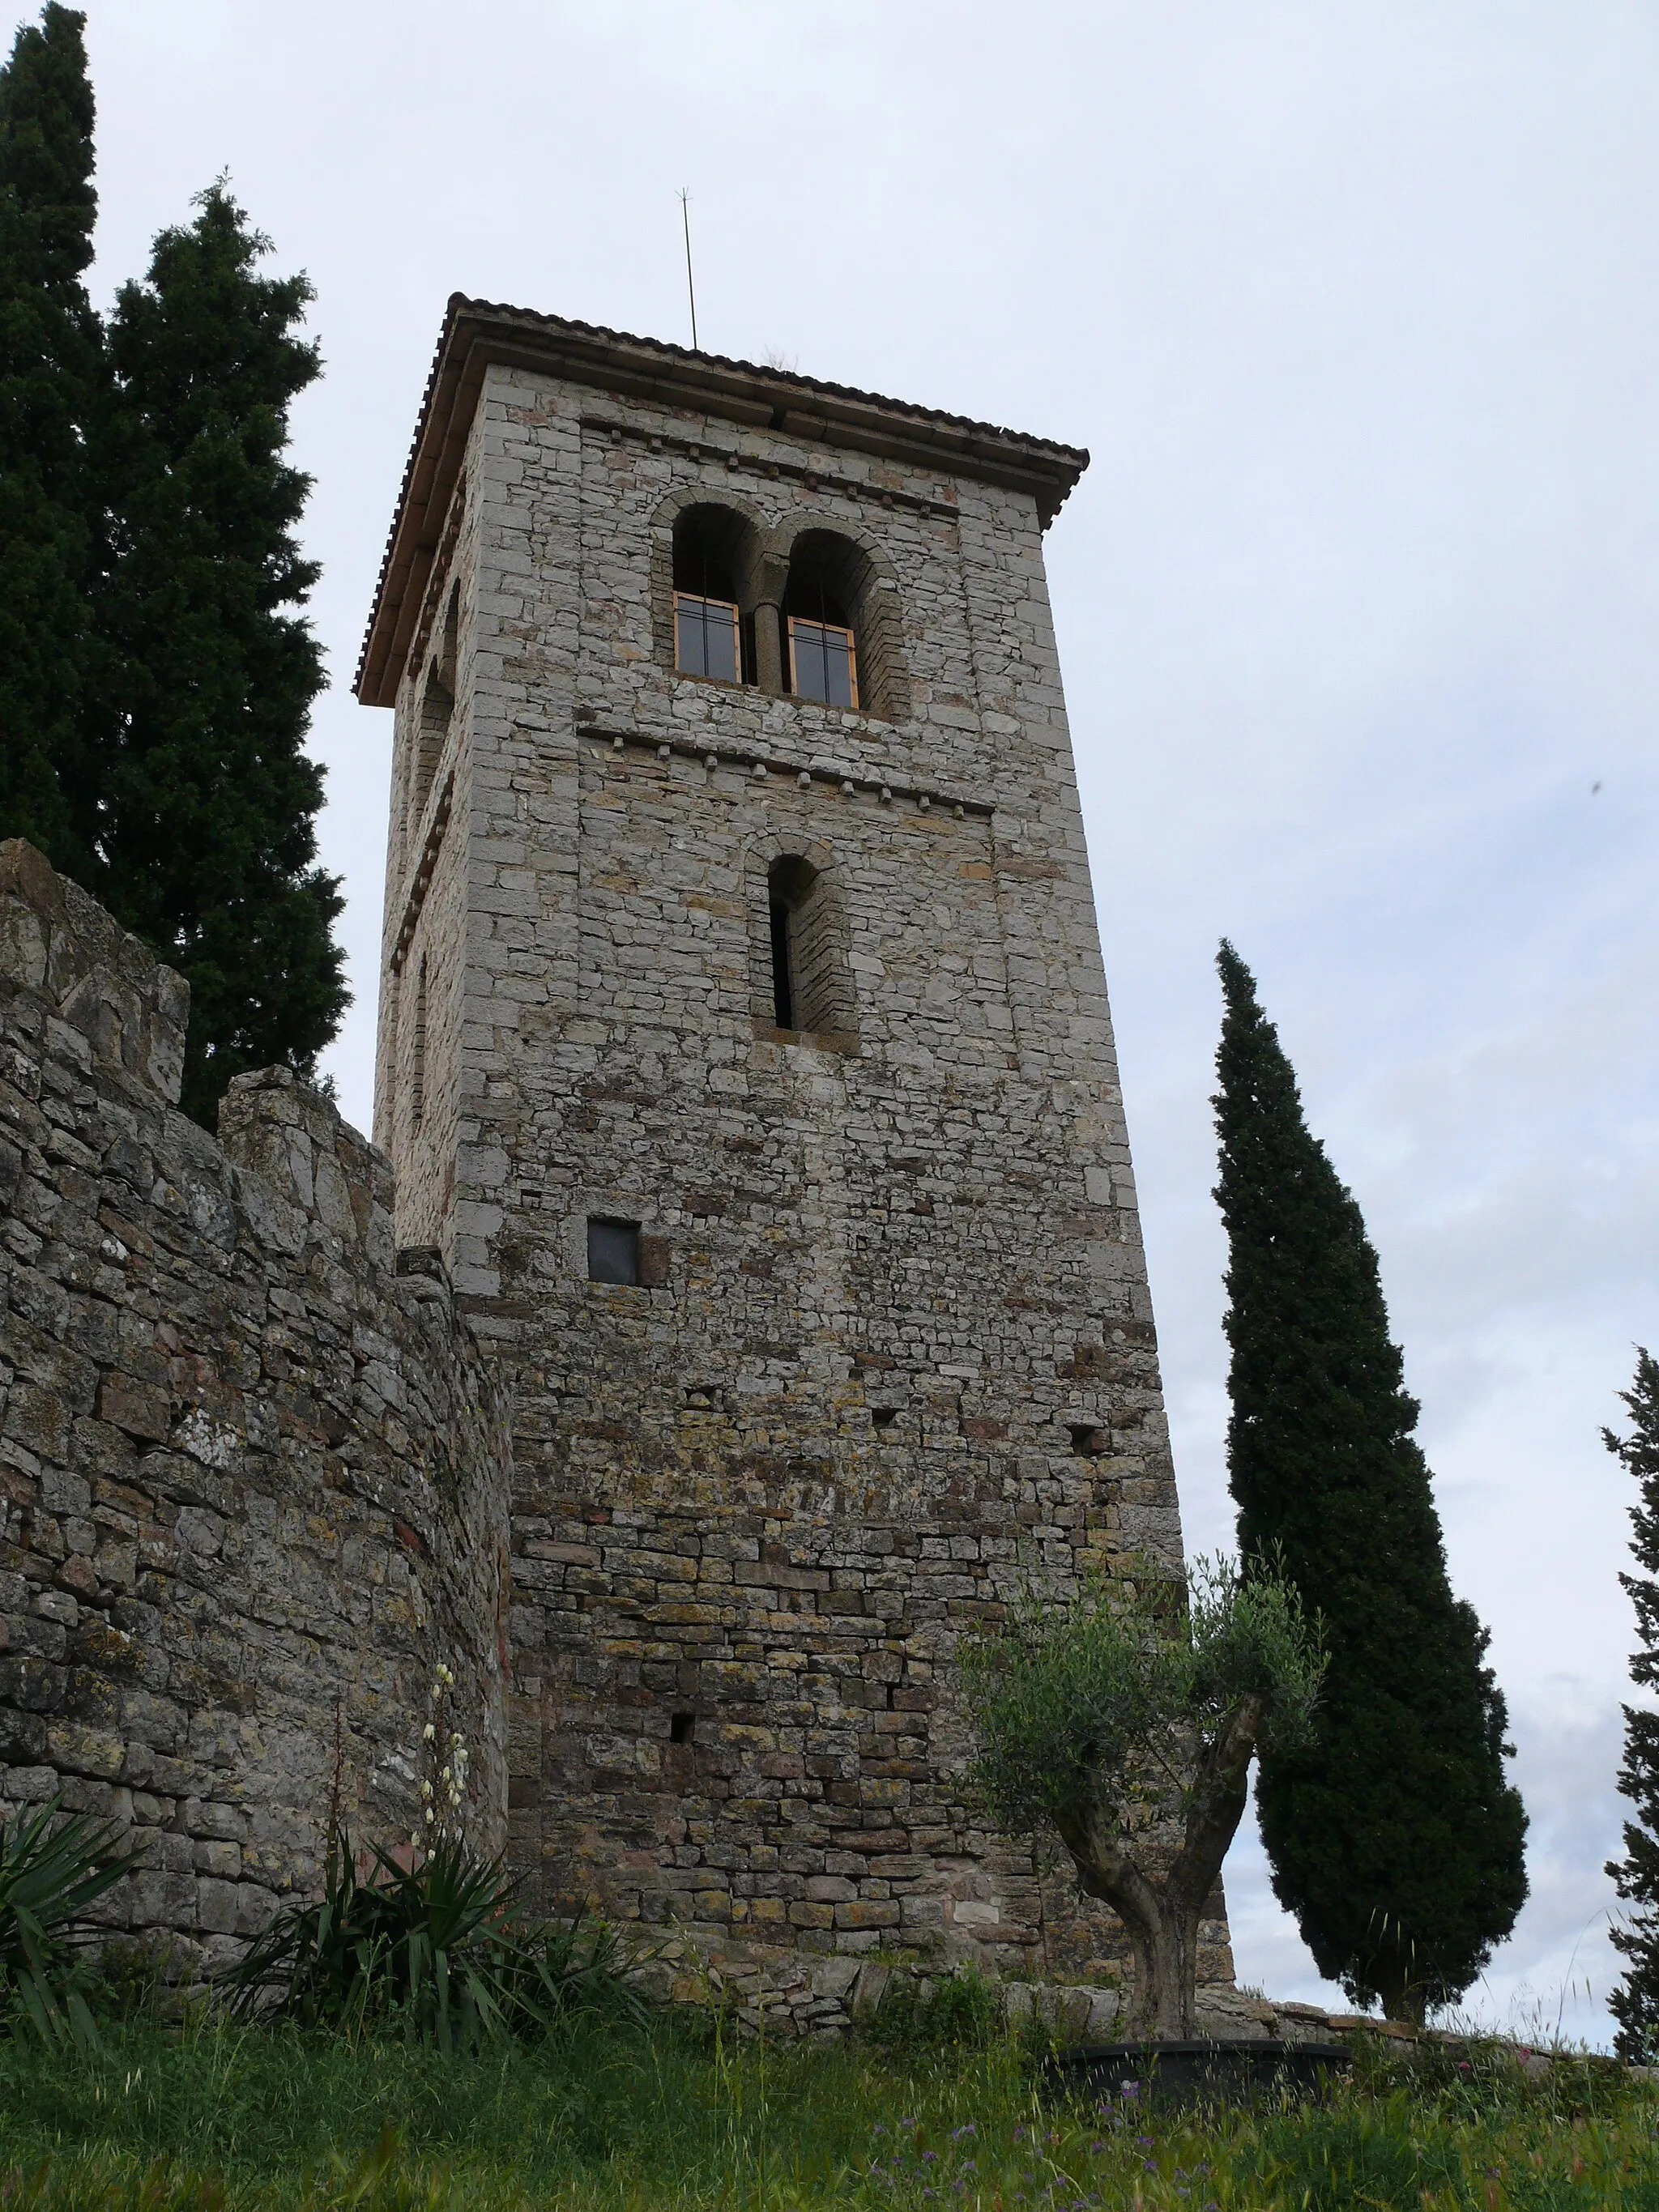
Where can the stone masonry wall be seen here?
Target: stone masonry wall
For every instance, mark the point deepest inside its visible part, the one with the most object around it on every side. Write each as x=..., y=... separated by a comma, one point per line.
x=894, y=1345
x=252, y=1470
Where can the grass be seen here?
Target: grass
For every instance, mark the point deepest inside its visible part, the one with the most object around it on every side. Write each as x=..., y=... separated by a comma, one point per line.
x=674, y=2115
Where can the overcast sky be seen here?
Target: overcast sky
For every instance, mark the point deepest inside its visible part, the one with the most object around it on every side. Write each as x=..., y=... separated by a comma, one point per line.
x=1355, y=306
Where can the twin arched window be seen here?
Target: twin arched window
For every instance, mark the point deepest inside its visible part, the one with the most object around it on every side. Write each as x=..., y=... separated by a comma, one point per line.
x=806, y=623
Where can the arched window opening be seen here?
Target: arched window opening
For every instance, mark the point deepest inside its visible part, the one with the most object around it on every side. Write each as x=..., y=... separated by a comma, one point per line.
x=803, y=939
x=827, y=578
x=437, y=710
x=712, y=556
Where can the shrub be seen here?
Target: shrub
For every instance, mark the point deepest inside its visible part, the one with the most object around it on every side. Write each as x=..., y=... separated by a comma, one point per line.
x=441, y=1947
x=52, y=1866
x=959, y=2011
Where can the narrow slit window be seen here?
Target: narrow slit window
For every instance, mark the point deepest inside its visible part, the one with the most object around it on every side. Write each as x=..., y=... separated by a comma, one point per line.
x=783, y=982
x=418, y=1072
x=613, y=1251
x=823, y=662
x=707, y=638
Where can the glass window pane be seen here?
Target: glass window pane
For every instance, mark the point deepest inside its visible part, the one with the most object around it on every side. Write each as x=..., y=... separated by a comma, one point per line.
x=838, y=668
x=706, y=638
x=824, y=663
x=688, y=638
x=809, y=675
x=720, y=655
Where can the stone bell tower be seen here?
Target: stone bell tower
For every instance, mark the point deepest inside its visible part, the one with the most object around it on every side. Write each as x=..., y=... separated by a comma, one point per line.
x=744, y=1051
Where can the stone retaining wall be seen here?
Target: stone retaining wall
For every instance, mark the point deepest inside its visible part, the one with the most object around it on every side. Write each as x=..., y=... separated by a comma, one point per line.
x=253, y=1472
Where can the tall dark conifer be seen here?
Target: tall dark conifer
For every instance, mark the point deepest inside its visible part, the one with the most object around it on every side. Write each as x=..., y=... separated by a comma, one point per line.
x=1394, y=1838
x=51, y=381
x=212, y=798
x=1635, y=2002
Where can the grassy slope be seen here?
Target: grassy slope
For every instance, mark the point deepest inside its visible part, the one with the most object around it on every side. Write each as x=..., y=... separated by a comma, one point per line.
x=620, y=2118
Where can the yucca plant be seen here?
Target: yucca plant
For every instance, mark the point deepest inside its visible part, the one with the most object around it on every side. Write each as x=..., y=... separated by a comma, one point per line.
x=440, y=1946
x=52, y=1866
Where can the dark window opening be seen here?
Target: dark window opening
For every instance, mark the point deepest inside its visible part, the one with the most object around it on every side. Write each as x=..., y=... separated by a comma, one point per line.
x=711, y=637
x=1088, y=1441
x=796, y=954
x=437, y=708
x=418, y=1072
x=683, y=1728
x=613, y=1251
x=883, y=1416
x=819, y=621
x=783, y=990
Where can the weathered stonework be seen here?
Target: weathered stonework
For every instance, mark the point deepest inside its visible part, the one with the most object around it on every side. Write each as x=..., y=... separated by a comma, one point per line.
x=891, y=1342
x=253, y=1467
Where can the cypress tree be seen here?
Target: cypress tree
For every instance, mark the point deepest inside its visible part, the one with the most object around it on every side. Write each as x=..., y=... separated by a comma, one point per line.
x=1635, y=2002
x=212, y=800
x=51, y=380
x=1395, y=1836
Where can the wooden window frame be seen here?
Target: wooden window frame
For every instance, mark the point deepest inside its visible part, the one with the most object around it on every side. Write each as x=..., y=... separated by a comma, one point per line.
x=702, y=599
x=829, y=629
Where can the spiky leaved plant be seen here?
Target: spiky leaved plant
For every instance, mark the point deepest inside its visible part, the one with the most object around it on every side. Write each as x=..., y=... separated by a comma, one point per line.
x=52, y=1867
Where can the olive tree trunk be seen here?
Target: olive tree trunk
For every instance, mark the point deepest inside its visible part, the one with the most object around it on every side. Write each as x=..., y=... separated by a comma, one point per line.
x=1162, y=1907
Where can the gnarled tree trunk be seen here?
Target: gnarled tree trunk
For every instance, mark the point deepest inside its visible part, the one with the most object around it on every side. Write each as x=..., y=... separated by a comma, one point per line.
x=1162, y=1909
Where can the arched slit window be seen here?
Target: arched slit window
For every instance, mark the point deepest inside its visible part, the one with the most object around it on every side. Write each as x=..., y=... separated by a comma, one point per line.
x=805, y=966
x=711, y=558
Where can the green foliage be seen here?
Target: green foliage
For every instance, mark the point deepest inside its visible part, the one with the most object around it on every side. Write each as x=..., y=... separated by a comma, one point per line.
x=52, y=391
x=1107, y=1700
x=52, y=1867
x=439, y=1948
x=1635, y=2002
x=156, y=671
x=212, y=800
x=959, y=2011
x=614, y=2118
x=1394, y=1835
x=1125, y=1718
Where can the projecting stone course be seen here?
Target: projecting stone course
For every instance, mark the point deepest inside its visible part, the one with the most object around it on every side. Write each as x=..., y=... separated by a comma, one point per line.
x=253, y=1468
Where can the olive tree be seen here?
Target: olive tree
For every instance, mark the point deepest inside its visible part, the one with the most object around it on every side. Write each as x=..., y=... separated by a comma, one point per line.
x=1124, y=1718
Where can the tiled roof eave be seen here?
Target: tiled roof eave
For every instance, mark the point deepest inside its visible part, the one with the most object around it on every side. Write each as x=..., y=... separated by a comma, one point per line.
x=476, y=333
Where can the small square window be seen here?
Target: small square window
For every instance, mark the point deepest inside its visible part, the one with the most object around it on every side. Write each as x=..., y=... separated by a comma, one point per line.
x=706, y=638
x=822, y=663
x=683, y=1728
x=613, y=1251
